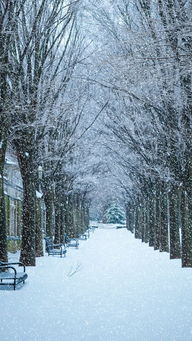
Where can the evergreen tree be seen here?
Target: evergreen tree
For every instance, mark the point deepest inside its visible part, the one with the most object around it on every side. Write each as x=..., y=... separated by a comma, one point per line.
x=114, y=214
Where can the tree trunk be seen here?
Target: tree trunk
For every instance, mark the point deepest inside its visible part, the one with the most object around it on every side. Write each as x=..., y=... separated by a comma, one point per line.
x=137, y=225
x=151, y=222
x=163, y=238
x=76, y=225
x=132, y=220
x=186, y=229
x=63, y=218
x=25, y=156
x=69, y=217
x=38, y=230
x=86, y=215
x=80, y=214
x=129, y=221
x=156, y=220
x=146, y=222
x=48, y=199
x=28, y=231
x=62, y=234
x=57, y=237
x=175, y=250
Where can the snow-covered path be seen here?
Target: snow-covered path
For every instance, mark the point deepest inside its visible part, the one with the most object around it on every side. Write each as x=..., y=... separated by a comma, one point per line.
x=113, y=288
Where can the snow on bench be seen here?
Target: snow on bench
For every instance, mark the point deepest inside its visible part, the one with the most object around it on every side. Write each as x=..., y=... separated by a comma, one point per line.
x=73, y=242
x=54, y=249
x=10, y=276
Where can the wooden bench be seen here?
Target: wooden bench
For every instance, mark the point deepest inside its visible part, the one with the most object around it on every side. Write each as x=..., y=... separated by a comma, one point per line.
x=10, y=276
x=83, y=236
x=54, y=249
x=93, y=227
x=73, y=242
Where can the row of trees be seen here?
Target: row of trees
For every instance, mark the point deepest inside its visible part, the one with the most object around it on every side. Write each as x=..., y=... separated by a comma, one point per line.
x=41, y=114
x=146, y=70
x=133, y=63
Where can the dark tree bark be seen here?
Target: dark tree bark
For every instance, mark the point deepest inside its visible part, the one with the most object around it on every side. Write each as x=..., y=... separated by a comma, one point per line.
x=38, y=229
x=146, y=222
x=57, y=236
x=62, y=235
x=137, y=223
x=127, y=208
x=186, y=228
x=48, y=199
x=151, y=221
x=163, y=240
x=69, y=217
x=28, y=230
x=156, y=220
x=175, y=249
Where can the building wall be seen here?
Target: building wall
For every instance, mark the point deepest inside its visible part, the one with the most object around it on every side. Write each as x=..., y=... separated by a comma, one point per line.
x=13, y=195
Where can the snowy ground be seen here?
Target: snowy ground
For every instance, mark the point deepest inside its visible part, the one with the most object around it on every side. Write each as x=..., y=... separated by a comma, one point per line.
x=113, y=288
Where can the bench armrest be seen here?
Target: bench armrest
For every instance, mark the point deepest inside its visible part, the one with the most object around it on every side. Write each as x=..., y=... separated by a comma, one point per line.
x=9, y=267
x=13, y=263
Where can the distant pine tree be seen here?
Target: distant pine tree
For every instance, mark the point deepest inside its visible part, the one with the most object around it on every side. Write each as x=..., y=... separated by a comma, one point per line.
x=114, y=214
